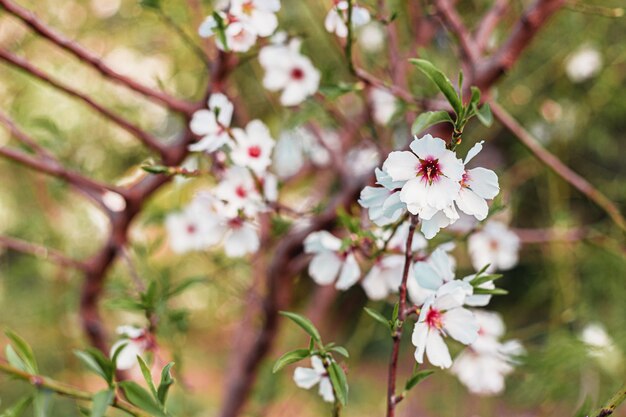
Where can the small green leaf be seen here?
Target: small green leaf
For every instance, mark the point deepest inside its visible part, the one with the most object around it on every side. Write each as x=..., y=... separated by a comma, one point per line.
x=166, y=382
x=221, y=30
x=99, y=364
x=289, y=358
x=377, y=316
x=156, y=169
x=151, y=4
x=475, y=100
x=484, y=114
x=493, y=291
x=42, y=403
x=24, y=351
x=442, y=82
x=186, y=284
x=14, y=359
x=141, y=398
x=116, y=354
x=18, y=408
x=479, y=280
x=340, y=350
x=304, y=323
x=428, y=119
x=396, y=310
x=101, y=401
x=339, y=381
x=416, y=378
x=147, y=375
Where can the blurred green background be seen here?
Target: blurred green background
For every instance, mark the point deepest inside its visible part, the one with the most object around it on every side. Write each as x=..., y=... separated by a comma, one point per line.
x=556, y=290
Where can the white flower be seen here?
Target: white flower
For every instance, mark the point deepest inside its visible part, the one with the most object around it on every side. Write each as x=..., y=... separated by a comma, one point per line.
x=212, y=124
x=483, y=366
x=240, y=35
x=257, y=14
x=398, y=240
x=583, y=64
x=384, y=105
x=308, y=377
x=372, y=37
x=477, y=185
x=443, y=315
x=330, y=262
x=293, y=147
x=253, y=147
x=383, y=203
x=337, y=18
x=384, y=278
x=432, y=174
x=136, y=342
x=288, y=70
x=495, y=245
x=239, y=192
x=240, y=237
x=189, y=230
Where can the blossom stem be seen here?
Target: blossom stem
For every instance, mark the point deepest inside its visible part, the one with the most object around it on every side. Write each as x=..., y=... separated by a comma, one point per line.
x=402, y=314
x=612, y=404
x=65, y=390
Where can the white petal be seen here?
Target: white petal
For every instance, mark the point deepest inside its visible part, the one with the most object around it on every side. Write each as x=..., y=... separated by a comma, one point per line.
x=374, y=284
x=475, y=150
x=470, y=203
x=321, y=241
x=326, y=390
x=127, y=358
x=419, y=337
x=428, y=146
x=461, y=325
x=401, y=165
x=483, y=182
x=350, y=273
x=426, y=276
x=437, y=351
x=324, y=267
x=306, y=377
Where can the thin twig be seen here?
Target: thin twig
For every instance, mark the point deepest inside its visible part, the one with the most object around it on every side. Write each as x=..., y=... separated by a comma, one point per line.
x=40, y=251
x=612, y=404
x=453, y=21
x=88, y=57
x=557, y=166
x=488, y=24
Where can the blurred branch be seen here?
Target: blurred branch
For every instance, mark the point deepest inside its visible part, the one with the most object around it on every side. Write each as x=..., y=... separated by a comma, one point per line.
x=489, y=23
x=65, y=390
x=557, y=166
x=40, y=251
x=147, y=139
x=504, y=58
x=88, y=57
x=24, y=138
x=453, y=21
x=612, y=404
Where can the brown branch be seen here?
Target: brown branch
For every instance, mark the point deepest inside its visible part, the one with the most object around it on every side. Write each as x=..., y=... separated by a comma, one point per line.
x=397, y=336
x=533, y=19
x=41, y=252
x=453, y=21
x=147, y=139
x=558, y=167
x=88, y=57
x=489, y=23
x=24, y=138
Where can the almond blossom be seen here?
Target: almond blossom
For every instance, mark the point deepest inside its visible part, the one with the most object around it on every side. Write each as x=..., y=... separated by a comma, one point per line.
x=257, y=14
x=384, y=105
x=384, y=277
x=288, y=70
x=239, y=35
x=308, y=377
x=239, y=192
x=337, y=18
x=583, y=64
x=477, y=186
x=443, y=315
x=483, y=366
x=494, y=245
x=135, y=342
x=190, y=230
x=331, y=263
x=294, y=147
x=383, y=203
x=253, y=147
x=212, y=124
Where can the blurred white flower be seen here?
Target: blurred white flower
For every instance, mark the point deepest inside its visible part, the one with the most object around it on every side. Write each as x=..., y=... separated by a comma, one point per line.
x=136, y=342
x=384, y=105
x=293, y=147
x=583, y=64
x=288, y=70
x=240, y=36
x=337, y=18
x=330, y=263
x=253, y=147
x=483, y=365
x=257, y=14
x=384, y=277
x=371, y=37
x=495, y=245
x=190, y=230
x=443, y=315
x=212, y=124
x=308, y=377
x=238, y=191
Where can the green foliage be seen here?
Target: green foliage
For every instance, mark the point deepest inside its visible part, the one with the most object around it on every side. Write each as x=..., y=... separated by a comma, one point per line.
x=18, y=409
x=101, y=401
x=21, y=356
x=97, y=363
x=290, y=357
x=416, y=378
x=304, y=323
x=442, y=82
x=340, y=382
x=141, y=398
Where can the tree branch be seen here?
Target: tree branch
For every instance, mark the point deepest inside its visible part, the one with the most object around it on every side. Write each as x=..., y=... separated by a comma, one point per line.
x=453, y=21
x=41, y=252
x=489, y=23
x=147, y=139
x=88, y=57
x=612, y=404
x=557, y=166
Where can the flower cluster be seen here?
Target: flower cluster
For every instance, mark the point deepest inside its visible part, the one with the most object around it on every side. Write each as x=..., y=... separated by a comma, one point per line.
x=239, y=27
x=337, y=18
x=429, y=181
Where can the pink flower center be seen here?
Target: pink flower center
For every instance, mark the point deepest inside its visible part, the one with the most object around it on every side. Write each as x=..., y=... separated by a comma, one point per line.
x=247, y=8
x=254, y=151
x=191, y=229
x=241, y=191
x=297, y=74
x=465, y=179
x=433, y=319
x=235, y=223
x=429, y=169
x=493, y=245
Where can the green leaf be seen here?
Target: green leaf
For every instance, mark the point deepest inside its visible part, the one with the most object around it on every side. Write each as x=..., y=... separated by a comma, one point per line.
x=116, y=354
x=585, y=408
x=339, y=381
x=147, y=375
x=185, y=284
x=289, y=358
x=428, y=119
x=442, y=82
x=221, y=30
x=24, y=351
x=479, y=280
x=18, y=408
x=99, y=364
x=340, y=350
x=141, y=398
x=484, y=114
x=475, y=100
x=417, y=377
x=493, y=291
x=42, y=403
x=14, y=359
x=166, y=382
x=151, y=4
x=305, y=323
x=378, y=317
x=396, y=310
x=156, y=169
x=101, y=401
